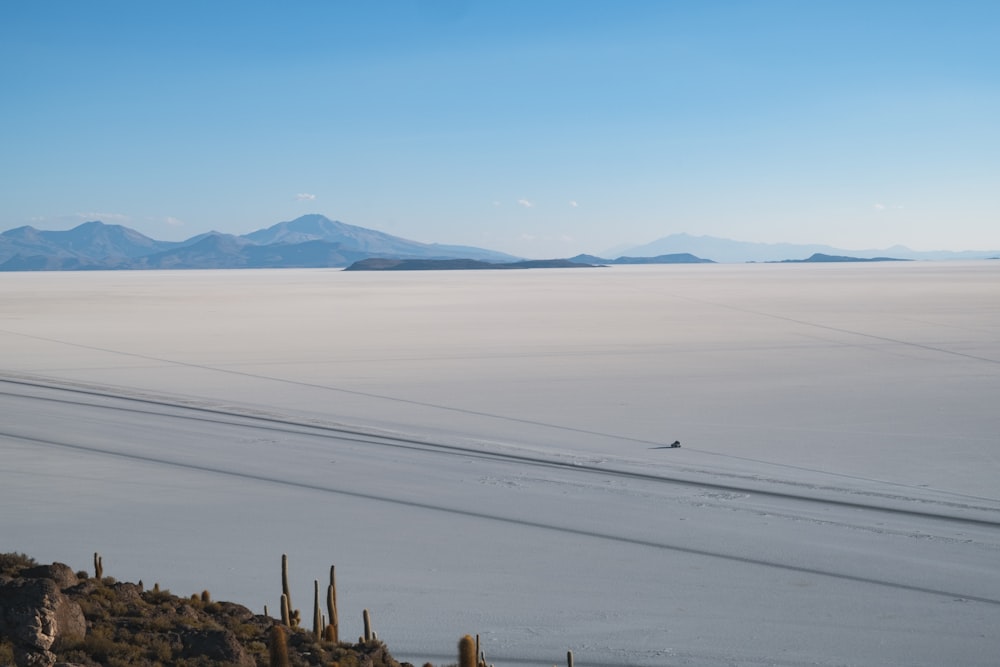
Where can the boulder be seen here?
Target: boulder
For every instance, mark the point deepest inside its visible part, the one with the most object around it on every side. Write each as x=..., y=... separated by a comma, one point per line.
x=35, y=616
x=217, y=645
x=62, y=574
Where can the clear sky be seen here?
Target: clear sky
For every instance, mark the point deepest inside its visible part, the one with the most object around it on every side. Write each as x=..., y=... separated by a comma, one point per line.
x=539, y=127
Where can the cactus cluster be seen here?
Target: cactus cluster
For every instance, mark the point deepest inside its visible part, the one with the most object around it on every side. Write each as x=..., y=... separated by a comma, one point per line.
x=327, y=628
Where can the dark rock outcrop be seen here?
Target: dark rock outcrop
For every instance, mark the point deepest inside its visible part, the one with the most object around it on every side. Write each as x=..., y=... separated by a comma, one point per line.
x=62, y=574
x=38, y=617
x=389, y=264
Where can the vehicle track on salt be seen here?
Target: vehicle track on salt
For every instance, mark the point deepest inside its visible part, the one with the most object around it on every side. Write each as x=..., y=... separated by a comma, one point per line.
x=519, y=420
x=510, y=520
x=279, y=424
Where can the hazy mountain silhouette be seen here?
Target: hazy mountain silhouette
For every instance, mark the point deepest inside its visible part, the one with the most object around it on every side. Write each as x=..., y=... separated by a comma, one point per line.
x=315, y=227
x=819, y=257
x=308, y=241
x=316, y=241
x=209, y=251
x=727, y=250
x=368, y=242
x=87, y=243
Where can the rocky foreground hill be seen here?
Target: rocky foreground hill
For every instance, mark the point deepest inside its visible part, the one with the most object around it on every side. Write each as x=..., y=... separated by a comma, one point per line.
x=51, y=616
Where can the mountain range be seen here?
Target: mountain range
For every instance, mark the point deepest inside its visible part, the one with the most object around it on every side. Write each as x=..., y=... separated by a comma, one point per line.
x=313, y=240
x=308, y=241
x=727, y=250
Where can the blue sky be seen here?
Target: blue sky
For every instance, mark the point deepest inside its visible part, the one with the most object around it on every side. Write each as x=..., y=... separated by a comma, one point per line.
x=540, y=128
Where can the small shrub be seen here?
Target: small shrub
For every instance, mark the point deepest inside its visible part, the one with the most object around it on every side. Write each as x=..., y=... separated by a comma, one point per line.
x=160, y=649
x=12, y=563
x=157, y=595
x=244, y=631
x=100, y=647
x=160, y=624
x=6, y=653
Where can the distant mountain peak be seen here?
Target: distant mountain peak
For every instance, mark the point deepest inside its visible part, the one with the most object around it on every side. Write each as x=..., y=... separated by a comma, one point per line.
x=22, y=232
x=728, y=250
x=310, y=227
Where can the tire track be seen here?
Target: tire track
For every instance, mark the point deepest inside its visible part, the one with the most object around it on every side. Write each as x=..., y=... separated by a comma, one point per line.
x=829, y=327
x=345, y=434
x=508, y=418
x=270, y=479
x=352, y=392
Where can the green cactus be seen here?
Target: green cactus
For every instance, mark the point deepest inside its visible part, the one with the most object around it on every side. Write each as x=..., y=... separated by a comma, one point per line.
x=284, y=579
x=467, y=652
x=278, y=647
x=317, y=614
x=331, y=605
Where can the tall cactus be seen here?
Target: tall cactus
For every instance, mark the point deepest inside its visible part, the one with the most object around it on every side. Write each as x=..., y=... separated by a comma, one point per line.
x=284, y=579
x=367, y=618
x=294, y=617
x=331, y=606
x=317, y=614
x=278, y=647
x=467, y=652
x=286, y=616
x=98, y=566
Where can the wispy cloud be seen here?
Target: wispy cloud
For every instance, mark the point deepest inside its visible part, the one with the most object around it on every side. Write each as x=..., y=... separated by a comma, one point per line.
x=887, y=207
x=525, y=203
x=173, y=222
x=574, y=204
x=305, y=196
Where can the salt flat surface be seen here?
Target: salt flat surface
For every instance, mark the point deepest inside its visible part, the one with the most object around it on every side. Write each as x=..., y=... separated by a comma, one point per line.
x=474, y=451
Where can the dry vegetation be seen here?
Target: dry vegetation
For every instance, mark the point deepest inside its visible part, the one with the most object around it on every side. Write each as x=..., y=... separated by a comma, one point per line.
x=128, y=624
